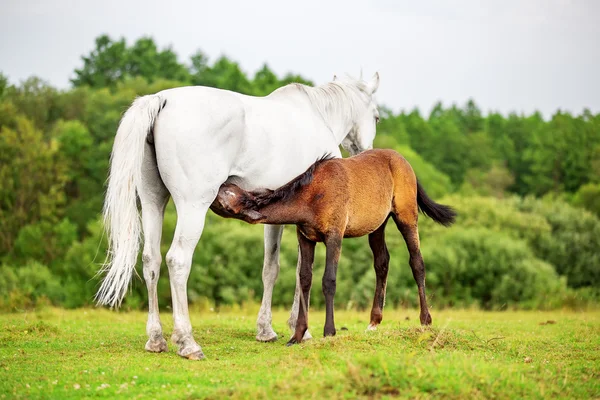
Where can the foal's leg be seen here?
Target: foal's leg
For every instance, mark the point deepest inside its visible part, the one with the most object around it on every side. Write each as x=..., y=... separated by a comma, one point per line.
x=265, y=332
x=297, y=296
x=410, y=232
x=306, y=257
x=153, y=198
x=190, y=223
x=334, y=249
x=381, y=262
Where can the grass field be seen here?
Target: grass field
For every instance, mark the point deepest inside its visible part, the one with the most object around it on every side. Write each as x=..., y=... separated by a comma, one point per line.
x=466, y=354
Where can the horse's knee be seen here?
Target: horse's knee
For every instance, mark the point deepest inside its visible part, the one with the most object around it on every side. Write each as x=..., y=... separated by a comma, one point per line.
x=179, y=266
x=151, y=266
x=270, y=270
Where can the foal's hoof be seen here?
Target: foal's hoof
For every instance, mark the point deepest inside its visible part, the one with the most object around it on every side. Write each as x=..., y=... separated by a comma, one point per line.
x=266, y=337
x=291, y=342
x=426, y=319
x=156, y=346
x=307, y=336
x=371, y=327
x=329, y=333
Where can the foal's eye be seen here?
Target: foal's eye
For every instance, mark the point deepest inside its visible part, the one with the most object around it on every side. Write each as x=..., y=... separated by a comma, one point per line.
x=376, y=120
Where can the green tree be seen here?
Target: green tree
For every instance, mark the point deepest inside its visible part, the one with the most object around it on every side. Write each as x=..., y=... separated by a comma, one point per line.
x=227, y=74
x=145, y=60
x=113, y=61
x=104, y=66
x=265, y=81
x=588, y=196
x=36, y=100
x=199, y=68
x=33, y=178
x=3, y=84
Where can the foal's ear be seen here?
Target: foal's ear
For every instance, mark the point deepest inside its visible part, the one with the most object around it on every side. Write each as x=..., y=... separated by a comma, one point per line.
x=334, y=77
x=253, y=216
x=374, y=83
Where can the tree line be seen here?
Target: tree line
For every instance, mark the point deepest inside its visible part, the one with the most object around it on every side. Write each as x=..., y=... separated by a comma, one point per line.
x=527, y=190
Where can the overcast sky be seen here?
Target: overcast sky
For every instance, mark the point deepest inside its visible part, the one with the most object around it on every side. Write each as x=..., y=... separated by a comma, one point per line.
x=507, y=54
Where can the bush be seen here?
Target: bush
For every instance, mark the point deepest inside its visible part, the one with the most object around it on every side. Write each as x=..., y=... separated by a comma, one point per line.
x=573, y=246
x=495, y=214
x=28, y=286
x=44, y=241
x=588, y=197
x=566, y=237
x=479, y=266
x=497, y=255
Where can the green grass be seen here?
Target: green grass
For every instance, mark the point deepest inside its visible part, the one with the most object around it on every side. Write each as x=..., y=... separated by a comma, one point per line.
x=56, y=353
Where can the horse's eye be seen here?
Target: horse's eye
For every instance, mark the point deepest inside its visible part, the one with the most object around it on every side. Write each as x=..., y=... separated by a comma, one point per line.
x=376, y=120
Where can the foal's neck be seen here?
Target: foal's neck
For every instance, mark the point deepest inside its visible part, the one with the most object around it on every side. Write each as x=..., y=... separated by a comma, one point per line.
x=285, y=212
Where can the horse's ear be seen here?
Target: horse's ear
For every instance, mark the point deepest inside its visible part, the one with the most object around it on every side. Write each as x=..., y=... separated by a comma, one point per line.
x=334, y=77
x=374, y=83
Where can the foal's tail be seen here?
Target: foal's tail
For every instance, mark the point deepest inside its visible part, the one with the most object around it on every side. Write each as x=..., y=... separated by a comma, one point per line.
x=440, y=213
x=121, y=217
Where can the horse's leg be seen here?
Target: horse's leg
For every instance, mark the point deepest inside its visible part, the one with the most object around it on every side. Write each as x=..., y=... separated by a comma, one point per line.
x=297, y=297
x=381, y=262
x=408, y=228
x=334, y=249
x=306, y=257
x=190, y=223
x=153, y=198
x=265, y=332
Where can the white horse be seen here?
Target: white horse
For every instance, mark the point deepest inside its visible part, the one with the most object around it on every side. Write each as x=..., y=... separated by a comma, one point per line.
x=185, y=143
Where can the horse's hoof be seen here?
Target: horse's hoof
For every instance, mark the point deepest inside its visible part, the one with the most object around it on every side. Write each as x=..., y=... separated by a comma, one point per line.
x=156, y=346
x=371, y=327
x=307, y=336
x=197, y=355
x=266, y=337
x=191, y=354
x=291, y=342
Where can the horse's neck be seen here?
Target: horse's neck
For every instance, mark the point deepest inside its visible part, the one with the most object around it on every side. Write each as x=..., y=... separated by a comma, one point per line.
x=335, y=111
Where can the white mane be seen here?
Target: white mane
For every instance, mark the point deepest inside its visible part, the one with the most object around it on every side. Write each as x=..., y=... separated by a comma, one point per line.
x=338, y=102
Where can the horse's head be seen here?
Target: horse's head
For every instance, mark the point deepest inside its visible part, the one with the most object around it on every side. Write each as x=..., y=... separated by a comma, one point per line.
x=363, y=128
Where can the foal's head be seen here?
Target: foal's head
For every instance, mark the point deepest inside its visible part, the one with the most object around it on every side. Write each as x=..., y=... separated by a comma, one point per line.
x=233, y=201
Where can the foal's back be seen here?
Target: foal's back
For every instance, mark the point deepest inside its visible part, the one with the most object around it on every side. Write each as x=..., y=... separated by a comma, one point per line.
x=367, y=186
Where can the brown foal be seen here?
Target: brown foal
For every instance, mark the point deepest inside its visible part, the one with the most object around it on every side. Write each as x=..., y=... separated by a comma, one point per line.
x=338, y=198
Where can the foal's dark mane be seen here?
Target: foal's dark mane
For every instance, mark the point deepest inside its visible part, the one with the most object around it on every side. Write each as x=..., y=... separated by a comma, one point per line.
x=259, y=198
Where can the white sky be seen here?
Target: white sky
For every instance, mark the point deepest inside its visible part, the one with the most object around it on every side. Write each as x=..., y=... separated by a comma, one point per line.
x=506, y=54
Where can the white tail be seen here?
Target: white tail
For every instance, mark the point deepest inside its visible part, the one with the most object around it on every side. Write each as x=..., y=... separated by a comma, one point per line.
x=121, y=216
